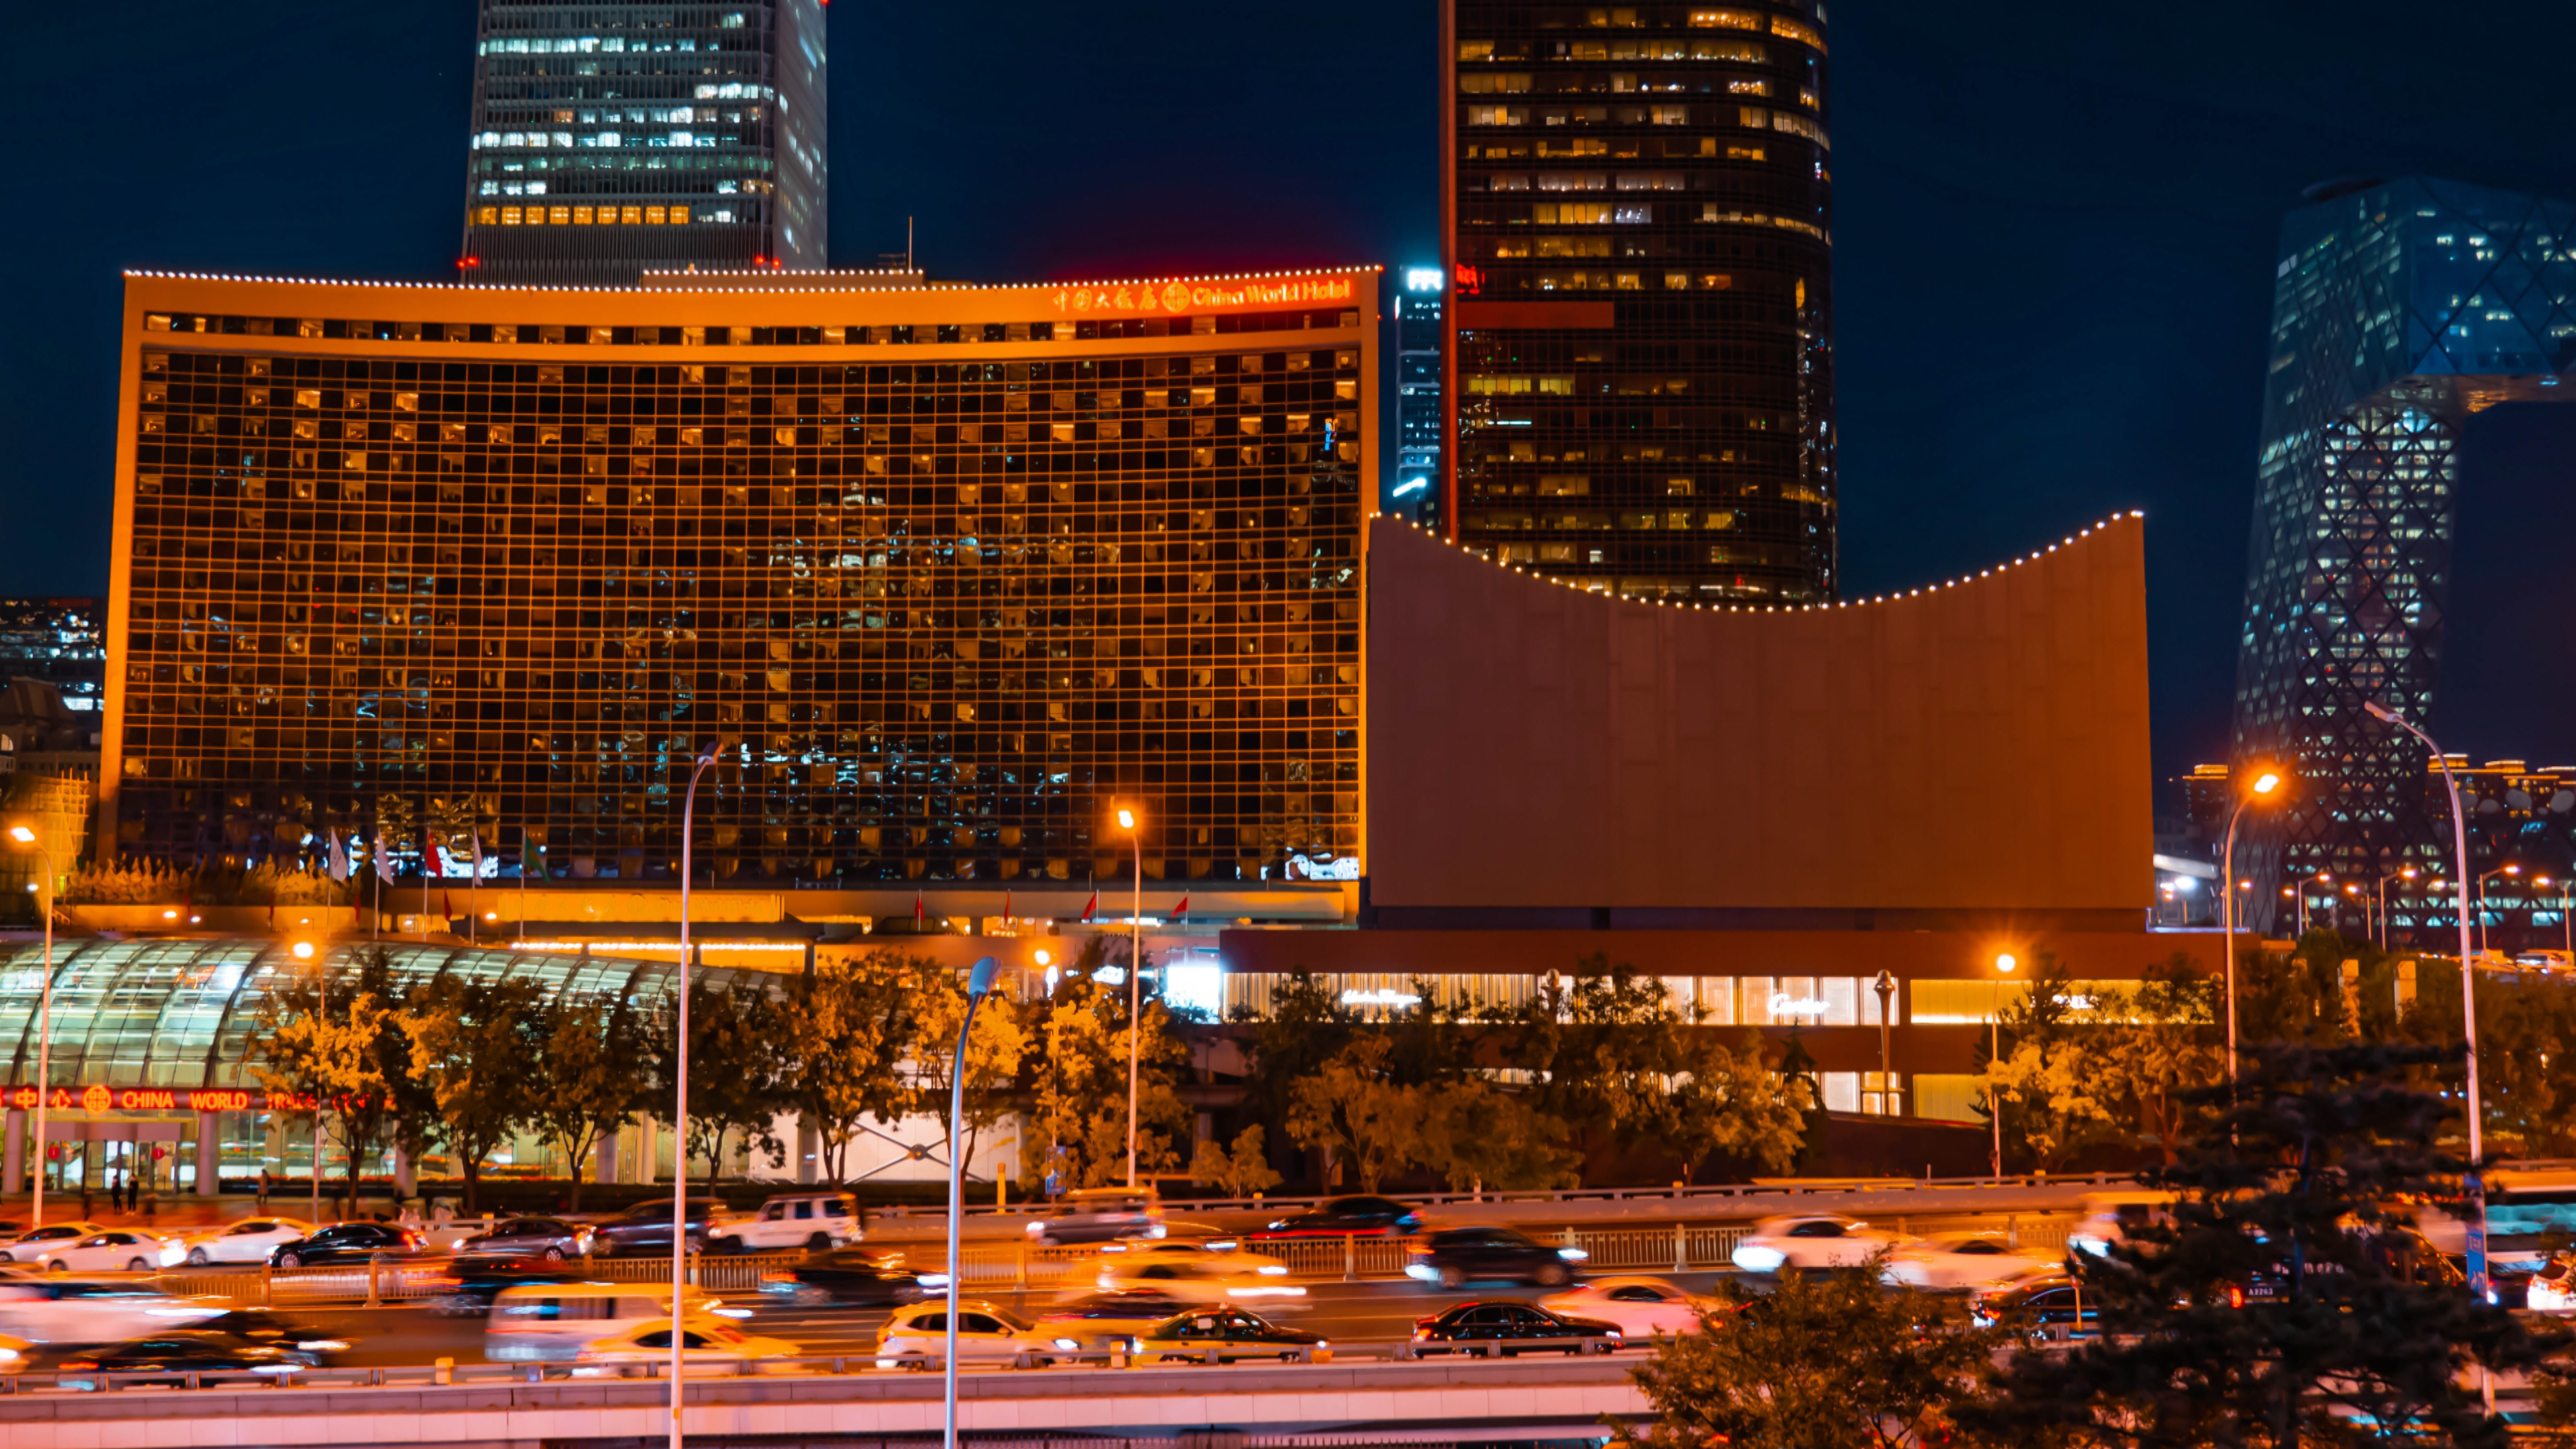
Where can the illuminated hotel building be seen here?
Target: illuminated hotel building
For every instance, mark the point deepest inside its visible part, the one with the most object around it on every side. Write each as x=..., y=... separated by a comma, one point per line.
x=610, y=139
x=1639, y=199
x=946, y=573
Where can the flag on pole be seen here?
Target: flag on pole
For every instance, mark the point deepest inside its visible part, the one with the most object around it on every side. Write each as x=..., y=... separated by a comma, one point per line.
x=446, y=905
x=919, y=912
x=1183, y=909
x=436, y=864
x=477, y=841
x=384, y=858
x=1091, y=908
x=1006, y=906
x=339, y=858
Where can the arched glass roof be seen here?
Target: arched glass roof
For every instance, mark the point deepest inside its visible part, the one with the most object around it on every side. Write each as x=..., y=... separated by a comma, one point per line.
x=179, y=1013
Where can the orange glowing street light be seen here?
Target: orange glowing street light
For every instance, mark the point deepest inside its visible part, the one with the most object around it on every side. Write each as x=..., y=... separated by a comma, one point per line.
x=2266, y=785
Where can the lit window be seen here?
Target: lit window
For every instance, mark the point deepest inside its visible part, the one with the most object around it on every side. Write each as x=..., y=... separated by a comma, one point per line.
x=509, y=216
x=679, y=215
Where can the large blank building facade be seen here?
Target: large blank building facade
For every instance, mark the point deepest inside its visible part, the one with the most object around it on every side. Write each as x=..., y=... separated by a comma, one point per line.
x=942, y=571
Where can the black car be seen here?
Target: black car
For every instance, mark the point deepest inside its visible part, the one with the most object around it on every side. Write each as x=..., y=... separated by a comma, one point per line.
x=1382, y=1217
x=469, y=1291
x=259, y=1325
x=1507, y=1326
x=208, y=1353
x=347, y=1243
x=549, y=1240
x=645, y=1229
x=846, y=1277
x=2052, y=1306
x=1454, y=1257
x=1222, y=1335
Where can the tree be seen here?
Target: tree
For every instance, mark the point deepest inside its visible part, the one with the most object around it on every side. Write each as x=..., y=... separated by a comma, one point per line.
x=1077, y=1073
x=993, y=1053
x=1727, y=1099
x=589, y=1074
x=736, y=1070
x=1476, y=1135
x=2288, y=1299
x=1351, y=1110
x=1822, y=1362
x=1306, y=1025
x=474, y=1043
x=333, y=1039
x=2158, y=1043
x=1240, y=1171
x=2054, y=1103
x=843, y=1043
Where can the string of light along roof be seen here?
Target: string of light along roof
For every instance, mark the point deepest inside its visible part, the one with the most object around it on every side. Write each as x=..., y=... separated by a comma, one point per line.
x=667, y=291
x=2032, y=557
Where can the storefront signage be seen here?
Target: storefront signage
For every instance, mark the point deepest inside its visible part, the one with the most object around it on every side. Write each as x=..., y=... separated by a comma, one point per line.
x=1148, y=297
x=156, y=1099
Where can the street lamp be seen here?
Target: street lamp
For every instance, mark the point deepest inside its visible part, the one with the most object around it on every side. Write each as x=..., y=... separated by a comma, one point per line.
x=680, y=1110
x=2264, y=786
x=2468, y=997
x=978, y=982
x=2513, y=870
x=2407, y=872
x=1128, y=822
x=2006, y=963
x=23, y=836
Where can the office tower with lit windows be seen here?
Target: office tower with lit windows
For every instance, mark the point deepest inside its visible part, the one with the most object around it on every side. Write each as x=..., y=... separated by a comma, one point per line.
x=944, y=573
x=1420, y=420
x=1641, y=230
x=607, y=140
x=2398, y=309
x=62, y=642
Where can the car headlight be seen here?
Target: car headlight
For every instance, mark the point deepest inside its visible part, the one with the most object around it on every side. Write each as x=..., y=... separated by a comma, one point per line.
x=8, y=1355
x=1572, y=1255
x=730, y=1312
x=1274, y=1270
x=1754, y=1258
x=1423, y=1271
x=1068, y=1344
x=323, y=1345
x=934, y=1280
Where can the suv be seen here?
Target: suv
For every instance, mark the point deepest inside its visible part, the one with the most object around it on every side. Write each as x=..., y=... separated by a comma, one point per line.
x=816, y=1220
x=1101, y=1215
x=645, y=1228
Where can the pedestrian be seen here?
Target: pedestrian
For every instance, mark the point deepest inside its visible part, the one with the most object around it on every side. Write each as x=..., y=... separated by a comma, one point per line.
x=263, y=1189
x=115, y=1192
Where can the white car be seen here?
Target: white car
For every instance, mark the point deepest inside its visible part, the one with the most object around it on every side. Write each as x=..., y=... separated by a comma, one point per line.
x=703, y=1338
x=1642, y=1307
x=1808, y=1242
x=109, y=1250
x=917, y=1336
x=1963, y=1260
x=247, y=1241
x=817, y=1220
x=94, y=1310
x=36, y=1245
x=1224, y=1254
x=1195, y=1281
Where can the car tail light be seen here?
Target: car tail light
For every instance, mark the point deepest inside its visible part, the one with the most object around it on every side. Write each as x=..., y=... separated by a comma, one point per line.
x=1425, y=1325
x=80, y=1363
x=2235, y=1296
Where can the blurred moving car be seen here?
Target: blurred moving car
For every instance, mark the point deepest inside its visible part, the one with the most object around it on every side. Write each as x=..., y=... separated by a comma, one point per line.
x=549, y=1240
x=819, y=1221
x=1962, y=1260
x=171, y=1355
x=36, y=1244
x=845, y=1278
x=1367, y=1216
x=1807, y=1242
x=1100, y=1215
x=2050, y=1306
x=1097, y=1322
x=1224, y=1334
x=2552, y=1287
x=1641, y=1307
x=703, y=1338
x=1455, y=1257
x=645, y=1228
x=264, y=1326
x=469, y=1291
x=535, y=1321
x=917, y=1336
x=94, y=1310
x=1209, y=1280
x=247, y=1241
x=347, y=1243
x=2109, y=1217
x=1507, y=1326
x=111, y=1250
x=1221, y=1251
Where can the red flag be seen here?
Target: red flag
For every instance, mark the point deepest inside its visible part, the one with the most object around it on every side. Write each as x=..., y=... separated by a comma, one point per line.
x=1091, y=907
x=918, y=915
x=1183, y=908
x=446, y=906
x=1006, y=905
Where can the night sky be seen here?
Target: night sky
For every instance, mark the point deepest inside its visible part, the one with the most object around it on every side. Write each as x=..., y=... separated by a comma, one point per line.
x=2054, y=238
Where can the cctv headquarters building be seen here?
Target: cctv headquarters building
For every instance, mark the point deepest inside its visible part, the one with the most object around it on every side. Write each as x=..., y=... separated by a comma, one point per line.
x=940, y=571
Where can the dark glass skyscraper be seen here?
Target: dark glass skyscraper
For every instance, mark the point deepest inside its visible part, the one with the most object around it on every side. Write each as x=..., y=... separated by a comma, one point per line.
x=1421, y=421
x=1644, y=322
x=2400, y=308
x=610, y=139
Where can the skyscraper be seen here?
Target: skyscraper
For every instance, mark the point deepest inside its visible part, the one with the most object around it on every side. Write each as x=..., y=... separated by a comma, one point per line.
x=2400, y=308
x=1421, y=419
x=1637, y=204
x=612, y=138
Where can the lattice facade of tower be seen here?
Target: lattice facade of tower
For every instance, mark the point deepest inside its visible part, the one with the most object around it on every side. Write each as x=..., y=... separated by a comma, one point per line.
x=2400, y=308
x=613, y=139
x=1644, y=310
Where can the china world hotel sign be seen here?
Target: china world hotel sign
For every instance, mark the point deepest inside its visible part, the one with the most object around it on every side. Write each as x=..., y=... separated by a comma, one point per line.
x=154, y=1099
x=1178, y=297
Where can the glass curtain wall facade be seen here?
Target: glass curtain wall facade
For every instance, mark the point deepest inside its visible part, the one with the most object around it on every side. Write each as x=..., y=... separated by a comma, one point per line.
x=1420, y=420
x=2400, y=308
x=947, y=577
x=60, y=641
x=607, y=139
x=1645, y=297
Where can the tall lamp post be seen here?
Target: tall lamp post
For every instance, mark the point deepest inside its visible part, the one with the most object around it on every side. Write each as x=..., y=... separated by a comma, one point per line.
x=2006, y=963
x=23, y=835
x=2468, y=1001
x=978, y=982
x=2513, y=870
x=1128, y=821
x=2264, y=785
x=2404, y=872
x=680, y=1109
